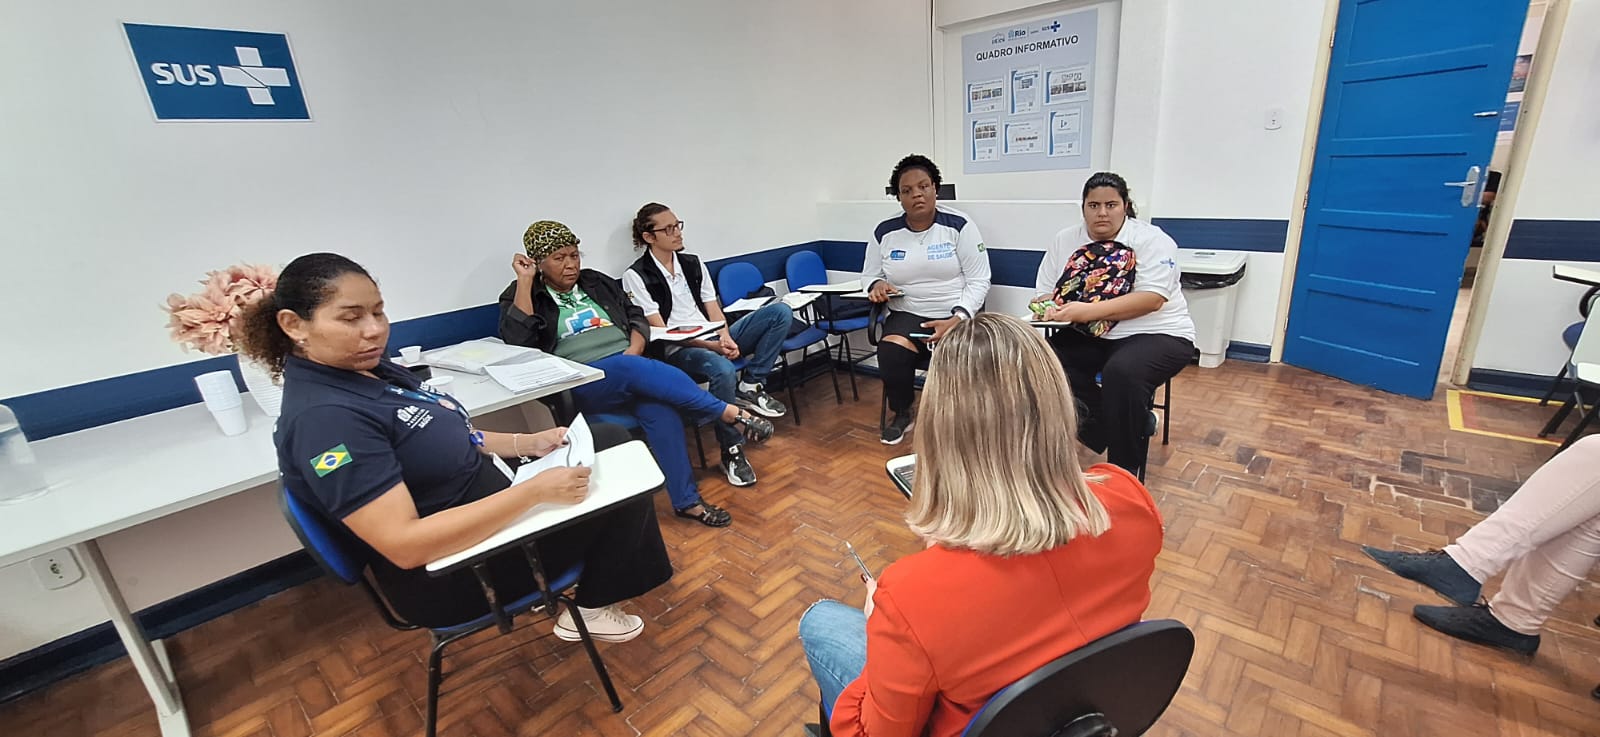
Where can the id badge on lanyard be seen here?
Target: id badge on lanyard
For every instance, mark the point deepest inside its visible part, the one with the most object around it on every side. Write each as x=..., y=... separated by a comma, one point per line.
x=473, y=434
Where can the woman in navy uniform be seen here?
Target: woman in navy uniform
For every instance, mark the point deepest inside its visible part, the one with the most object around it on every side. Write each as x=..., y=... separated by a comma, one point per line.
x=405, y=471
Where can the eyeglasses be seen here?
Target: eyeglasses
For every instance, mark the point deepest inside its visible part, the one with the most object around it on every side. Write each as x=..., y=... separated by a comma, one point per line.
x=672, y=229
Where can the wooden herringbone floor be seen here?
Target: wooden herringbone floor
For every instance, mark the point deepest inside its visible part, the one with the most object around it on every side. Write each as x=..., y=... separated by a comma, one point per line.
x=1273, y=478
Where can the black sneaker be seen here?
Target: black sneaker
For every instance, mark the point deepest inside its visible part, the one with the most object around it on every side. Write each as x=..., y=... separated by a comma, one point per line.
x=756, y=430
x=1434, y=569
x=899, y=425
x=754, y=397
x=1476, y=624
x=738, y=467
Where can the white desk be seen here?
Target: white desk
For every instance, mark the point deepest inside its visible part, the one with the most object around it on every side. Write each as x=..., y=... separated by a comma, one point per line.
x=620, y=474
x=840, y=288
x=116, y=476
x=666, y=335
x=1576, y=274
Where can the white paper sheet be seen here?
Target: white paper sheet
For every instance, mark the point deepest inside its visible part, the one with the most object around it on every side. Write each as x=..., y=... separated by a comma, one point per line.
x=747, y=304
x=579, y=451
x=536, y=374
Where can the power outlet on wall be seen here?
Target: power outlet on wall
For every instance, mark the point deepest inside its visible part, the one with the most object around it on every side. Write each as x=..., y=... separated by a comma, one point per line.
x=57, y=569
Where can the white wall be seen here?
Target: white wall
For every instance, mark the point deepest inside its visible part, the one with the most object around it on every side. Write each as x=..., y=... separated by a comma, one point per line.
x=439, y=134
x=1527, y=309
x=440, y=131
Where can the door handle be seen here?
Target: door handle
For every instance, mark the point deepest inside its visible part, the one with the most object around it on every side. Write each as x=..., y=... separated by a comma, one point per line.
x=1469, y=187
x=1486, y=114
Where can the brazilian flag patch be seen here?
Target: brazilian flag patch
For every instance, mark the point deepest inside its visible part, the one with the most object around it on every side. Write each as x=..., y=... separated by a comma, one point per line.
x=330, y=460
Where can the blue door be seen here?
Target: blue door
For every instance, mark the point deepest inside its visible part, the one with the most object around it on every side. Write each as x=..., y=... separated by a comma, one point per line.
x=1415, y=91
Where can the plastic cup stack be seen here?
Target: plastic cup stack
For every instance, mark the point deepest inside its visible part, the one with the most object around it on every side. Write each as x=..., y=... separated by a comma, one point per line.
x=222, y=397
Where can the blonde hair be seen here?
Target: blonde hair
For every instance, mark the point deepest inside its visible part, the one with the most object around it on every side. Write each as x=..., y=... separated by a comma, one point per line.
x=997, y=468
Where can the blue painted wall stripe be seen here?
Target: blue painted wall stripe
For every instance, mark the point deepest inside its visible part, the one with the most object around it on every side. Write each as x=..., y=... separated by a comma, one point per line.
x=1217, y=234
x=1554, y=240
x=72, y=408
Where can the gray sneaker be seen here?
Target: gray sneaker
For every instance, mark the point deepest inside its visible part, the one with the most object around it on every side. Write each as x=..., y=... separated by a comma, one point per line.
x=754, y=397
x=897, y=428
x=738, y=466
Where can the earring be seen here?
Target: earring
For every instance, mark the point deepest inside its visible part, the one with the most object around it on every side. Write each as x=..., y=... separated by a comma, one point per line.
x=301, y=342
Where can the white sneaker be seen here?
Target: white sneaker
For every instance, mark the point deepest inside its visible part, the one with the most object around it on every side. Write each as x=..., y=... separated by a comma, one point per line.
x=608, y=624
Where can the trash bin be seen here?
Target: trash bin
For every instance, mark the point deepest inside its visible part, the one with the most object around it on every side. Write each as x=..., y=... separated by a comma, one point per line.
x=1211, y=286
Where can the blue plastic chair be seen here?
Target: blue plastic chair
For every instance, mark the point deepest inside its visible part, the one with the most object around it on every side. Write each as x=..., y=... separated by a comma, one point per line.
x=804, y=269
x=739, y=279
x=341, y=556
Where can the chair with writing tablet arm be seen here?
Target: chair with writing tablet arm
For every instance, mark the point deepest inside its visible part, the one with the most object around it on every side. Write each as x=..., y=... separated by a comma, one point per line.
x=343, y=558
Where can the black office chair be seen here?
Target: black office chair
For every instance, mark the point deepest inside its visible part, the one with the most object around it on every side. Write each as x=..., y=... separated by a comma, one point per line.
x=337, y=552
x=1116, y=686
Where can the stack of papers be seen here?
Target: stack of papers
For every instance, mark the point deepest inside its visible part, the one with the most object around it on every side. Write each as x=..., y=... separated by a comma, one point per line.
x=539, y=373
x=579, y=451
x=473, y=356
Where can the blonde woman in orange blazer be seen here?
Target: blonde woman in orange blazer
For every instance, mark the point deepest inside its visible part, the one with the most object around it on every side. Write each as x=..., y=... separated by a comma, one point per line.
x=1029, y=557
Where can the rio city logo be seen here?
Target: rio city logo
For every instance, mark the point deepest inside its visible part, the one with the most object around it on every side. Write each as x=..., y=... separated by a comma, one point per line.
x=211, y=74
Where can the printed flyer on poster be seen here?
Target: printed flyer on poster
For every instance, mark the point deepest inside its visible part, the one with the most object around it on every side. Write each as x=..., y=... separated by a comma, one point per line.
x=1030, y=94
x=1022, y=137
x=1066, y=132
x=1025, y=91
x=986, y=97
x=985, y=139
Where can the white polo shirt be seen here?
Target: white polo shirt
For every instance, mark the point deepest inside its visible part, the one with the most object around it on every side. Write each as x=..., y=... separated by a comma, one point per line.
x=685, y=308
x=1155, y=270
x=939, y=269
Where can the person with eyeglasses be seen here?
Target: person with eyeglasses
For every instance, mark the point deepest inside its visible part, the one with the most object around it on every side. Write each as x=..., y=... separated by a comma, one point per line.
x=929, y=266
x=674, y=288
x=582, y=315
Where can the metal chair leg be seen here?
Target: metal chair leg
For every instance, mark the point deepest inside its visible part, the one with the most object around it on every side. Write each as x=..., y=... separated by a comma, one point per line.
x=1583, y=424
x=789, y=382
x=594, y=655
x=435, y=677
x=850, y=366
x=1556, y=383
x=1166, y=413
x=1560, y=416
x=833, y=375
x=699, y=447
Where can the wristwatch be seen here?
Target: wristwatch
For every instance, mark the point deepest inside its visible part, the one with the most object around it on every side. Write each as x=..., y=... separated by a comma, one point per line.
x=960, y=312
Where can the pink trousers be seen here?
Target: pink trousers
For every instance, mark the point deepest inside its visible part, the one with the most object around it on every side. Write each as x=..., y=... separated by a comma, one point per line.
x=1545, y=538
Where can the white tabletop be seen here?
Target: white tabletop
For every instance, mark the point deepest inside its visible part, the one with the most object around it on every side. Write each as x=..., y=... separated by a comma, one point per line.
x=1577, y=274
x=665, y=334
x=115, y=476
x=620, y=473
x=853, y=285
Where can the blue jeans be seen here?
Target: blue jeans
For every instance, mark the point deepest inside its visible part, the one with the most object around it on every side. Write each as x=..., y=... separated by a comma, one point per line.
x=760, y=337
x=660, y=397
x=834, y=637
x=722, y=381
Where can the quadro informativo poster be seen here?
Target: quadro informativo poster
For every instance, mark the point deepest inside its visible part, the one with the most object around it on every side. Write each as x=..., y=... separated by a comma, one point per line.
x=1028, y=94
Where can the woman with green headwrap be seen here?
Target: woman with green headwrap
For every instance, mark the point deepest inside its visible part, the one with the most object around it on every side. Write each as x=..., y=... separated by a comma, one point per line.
x=580, y=314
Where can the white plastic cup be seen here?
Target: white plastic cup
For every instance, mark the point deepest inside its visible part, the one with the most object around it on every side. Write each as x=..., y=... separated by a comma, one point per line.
x=230, y=419
x=411, y=353
x=218, y=390
x=439, y=384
